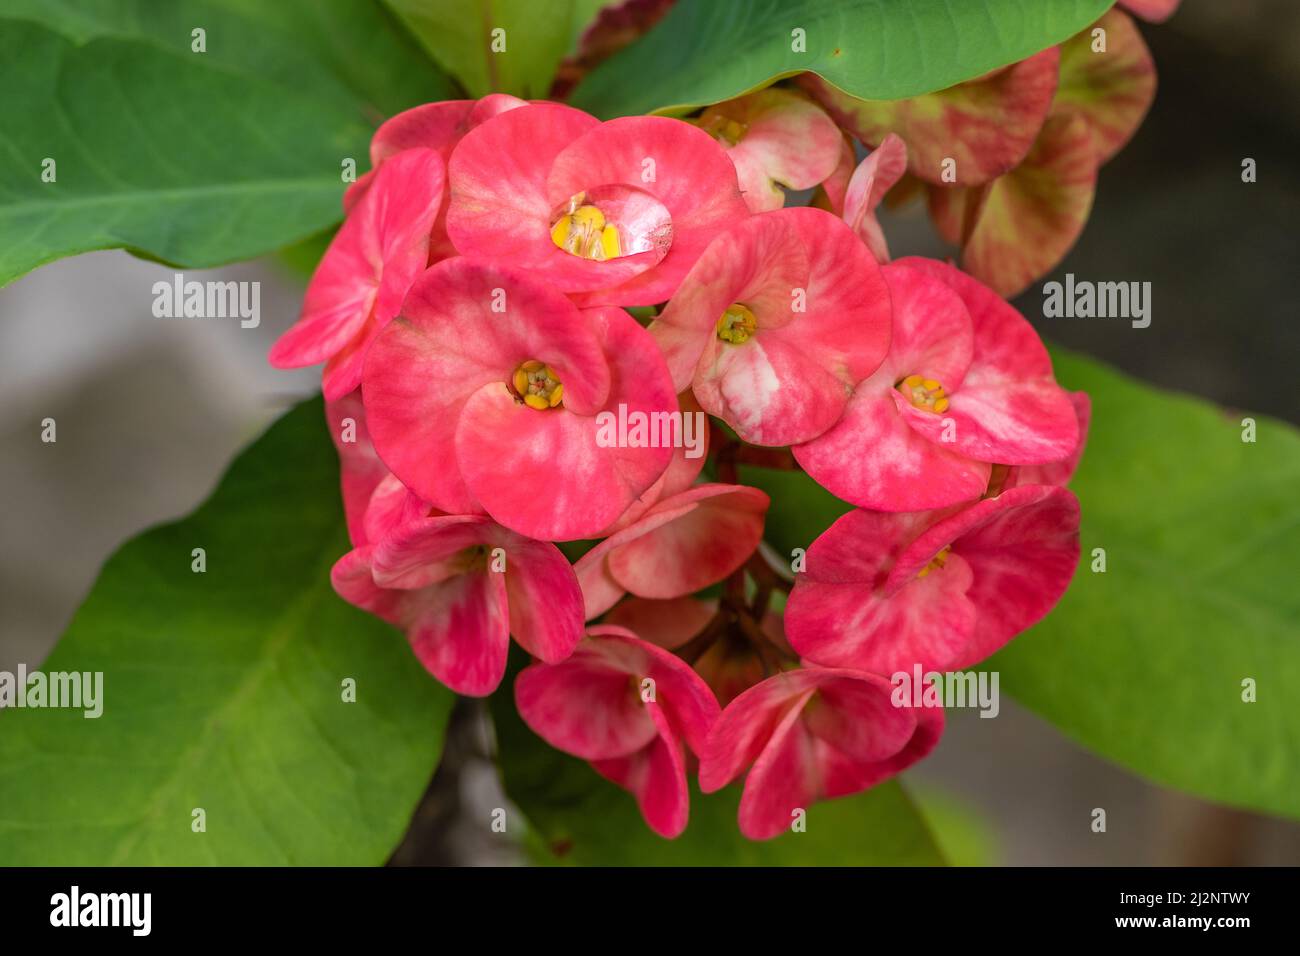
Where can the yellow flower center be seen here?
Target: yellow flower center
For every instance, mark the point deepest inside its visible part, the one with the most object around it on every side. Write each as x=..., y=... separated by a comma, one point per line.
x=737, y=324
x=924, y=393
x=723, y=128
x=537, y=385
x=581, y=230
x=937, y=562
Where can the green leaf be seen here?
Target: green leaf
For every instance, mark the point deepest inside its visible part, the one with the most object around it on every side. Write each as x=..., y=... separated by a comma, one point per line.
x=705, y=51
x=222, y=690
x=459, y=35
x=576, y=817
x=1144, y=663
x=964, y=835
x=800, y=510
x=193, y=158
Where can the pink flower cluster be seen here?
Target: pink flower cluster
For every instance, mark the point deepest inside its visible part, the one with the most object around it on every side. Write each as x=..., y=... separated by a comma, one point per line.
x=471, y=318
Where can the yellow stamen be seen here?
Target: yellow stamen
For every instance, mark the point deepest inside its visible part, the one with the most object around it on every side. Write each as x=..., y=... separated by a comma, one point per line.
x=937, y=562
x=581, y=230
x=737, y=324
x=722, y=128
x=537, y=385
x=924, y=393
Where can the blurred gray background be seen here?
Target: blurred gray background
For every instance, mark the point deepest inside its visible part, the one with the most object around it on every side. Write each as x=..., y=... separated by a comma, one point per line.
x=150, y=411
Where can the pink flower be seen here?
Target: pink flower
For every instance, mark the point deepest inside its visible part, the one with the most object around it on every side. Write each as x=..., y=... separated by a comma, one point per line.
x=1052, y=473
x=966, y=134
x=486, y=397
x=360, y=470
x=735, y=658
x=681, y=544
x=809, y=735
x=438, y=126
x=617, y=211
x=778, y=140
x=874, y=177
x=1153, y=11
x=830, y=192
x=443, y=581
x=668, y=623
x=1019, y=226
x=631, y=709
x=884, y=592
x=776, y=323
x=966, y=383
x=359, y=285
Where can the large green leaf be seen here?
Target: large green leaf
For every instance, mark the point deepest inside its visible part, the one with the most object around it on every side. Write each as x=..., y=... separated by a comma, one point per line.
x=705, y=51
x=575, y=817
x=1144, y=663
x=192, y=158
x=223, y=690
x=460, y=35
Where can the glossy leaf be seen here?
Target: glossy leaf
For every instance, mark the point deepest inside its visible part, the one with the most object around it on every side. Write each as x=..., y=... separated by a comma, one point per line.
x=706, y=51
x=497, y=46
x=119, y=133
x=1145, y=663
x=223, y=691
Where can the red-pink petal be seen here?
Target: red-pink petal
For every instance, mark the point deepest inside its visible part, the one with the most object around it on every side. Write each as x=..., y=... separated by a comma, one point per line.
x=545, y=600
x=669, y=624
x=830, y=196
x=359, y=285
x=681, y=166
x=787, y=142
x=715, y=528
x=819, y=331
x=1056, y=472
x=759, y=262
x=744, y=728
x=656, y=776
x=985, y=125
x=586, y=705
x=459, y=630
x=451, y=342
x=873, y=459
x=785, y=778
x=499, y=206
x=1023, y=548
x=391, y=506
x=360, y=470
x=1008, y=407
x=811, y=734
x=874, y=177
x=1028, y=219
x=1112, y=90
x=690, y=706
x=841, y=614
x=1153, y=11
x=551, y=474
